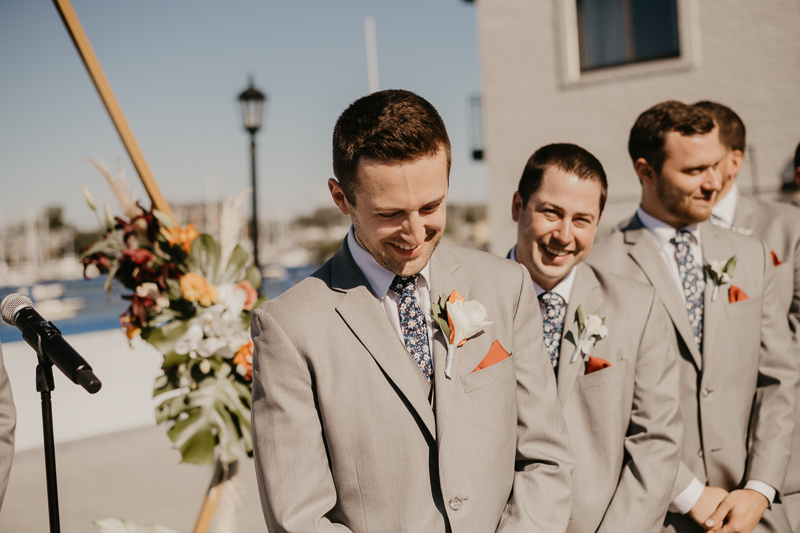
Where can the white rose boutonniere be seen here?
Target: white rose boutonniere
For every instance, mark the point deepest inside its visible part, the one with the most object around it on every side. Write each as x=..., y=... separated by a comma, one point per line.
x=459, y=320
x=590, y=329
x=720, y=272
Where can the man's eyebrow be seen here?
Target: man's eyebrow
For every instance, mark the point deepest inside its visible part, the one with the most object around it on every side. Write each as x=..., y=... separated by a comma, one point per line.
x=433, y=202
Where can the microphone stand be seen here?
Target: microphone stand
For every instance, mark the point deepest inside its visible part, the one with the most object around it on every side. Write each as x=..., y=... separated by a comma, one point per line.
x=45, y=384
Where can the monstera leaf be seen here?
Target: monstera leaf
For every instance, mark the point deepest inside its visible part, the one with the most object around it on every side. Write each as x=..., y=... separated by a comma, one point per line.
x=216, y=412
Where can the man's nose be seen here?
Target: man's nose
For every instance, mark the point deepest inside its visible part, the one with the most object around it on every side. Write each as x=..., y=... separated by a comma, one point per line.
x=563, y=231
x=713, y=181
x=414, y=229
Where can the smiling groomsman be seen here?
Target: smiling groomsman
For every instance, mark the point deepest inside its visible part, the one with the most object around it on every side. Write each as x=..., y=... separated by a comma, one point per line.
x=778, y=225
x=722, y=297
x=619, y=389
x=357, y=424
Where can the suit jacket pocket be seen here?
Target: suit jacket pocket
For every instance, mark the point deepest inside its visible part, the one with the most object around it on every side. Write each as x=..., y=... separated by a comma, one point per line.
x=752, y=305
x=615, y=371
x=487, y=376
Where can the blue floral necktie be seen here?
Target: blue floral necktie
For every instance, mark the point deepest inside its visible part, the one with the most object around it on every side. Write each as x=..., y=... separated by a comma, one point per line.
x=692, y=278
x=412, y=322
x=553, y=323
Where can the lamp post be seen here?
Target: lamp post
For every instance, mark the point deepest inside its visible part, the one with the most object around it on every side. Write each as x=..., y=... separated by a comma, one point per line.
x=253, y=102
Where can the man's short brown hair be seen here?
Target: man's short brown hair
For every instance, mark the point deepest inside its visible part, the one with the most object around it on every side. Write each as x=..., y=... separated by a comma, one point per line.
x=569, y=158
x=731, y=128
x=388, y=126
x=649, y=133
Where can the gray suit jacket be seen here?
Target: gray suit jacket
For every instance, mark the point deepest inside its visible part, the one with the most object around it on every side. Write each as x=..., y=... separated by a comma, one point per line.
x=746, y=349
x=778, y=225
x=348, y=437
x=8, y=421
x=624, y=421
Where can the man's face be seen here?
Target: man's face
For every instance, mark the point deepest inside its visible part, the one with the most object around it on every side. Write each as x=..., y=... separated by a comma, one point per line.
x=690, y=180
x=555, y=231
x=400, y=210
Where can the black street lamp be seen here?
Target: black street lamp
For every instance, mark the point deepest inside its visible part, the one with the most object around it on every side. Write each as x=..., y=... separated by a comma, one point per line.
x=253, y=103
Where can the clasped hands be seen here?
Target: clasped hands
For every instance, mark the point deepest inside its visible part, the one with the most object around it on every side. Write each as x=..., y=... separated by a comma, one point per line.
x=721, y=511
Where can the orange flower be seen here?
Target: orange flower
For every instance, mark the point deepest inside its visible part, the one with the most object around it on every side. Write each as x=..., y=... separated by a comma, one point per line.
x=182, y=237
x=252, y=294
x=195, y=288
x=244, y=360
x=130, y=329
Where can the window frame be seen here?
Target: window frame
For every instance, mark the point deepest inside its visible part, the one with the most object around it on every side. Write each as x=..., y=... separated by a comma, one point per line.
x=569, y=48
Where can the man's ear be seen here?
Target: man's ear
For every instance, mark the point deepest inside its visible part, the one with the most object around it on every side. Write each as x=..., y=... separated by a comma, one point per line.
x=645, y=172
x=338, y=196
x=737, y=161
x=516, y=206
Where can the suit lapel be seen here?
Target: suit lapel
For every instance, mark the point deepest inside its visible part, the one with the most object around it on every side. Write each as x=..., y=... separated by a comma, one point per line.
x=444, y=281
x=645, y=253
x=713, y=249
x=366, y=318
x=586, y=293
x=744, y=216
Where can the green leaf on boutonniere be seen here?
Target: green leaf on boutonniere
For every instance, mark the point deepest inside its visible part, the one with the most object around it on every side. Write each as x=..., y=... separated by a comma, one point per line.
x=730, y=266
x=581, y=316
x=439, y=315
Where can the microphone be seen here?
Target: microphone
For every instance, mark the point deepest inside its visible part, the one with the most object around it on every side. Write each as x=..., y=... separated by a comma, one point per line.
x=45, y=338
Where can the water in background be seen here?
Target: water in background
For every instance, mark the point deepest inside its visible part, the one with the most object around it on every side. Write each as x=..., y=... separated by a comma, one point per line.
x=83, y=306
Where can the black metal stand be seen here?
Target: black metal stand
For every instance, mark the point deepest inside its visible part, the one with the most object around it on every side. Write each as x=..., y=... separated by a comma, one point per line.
x=44, y=384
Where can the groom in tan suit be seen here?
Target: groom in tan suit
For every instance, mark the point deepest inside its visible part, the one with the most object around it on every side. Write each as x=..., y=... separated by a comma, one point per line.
x=729, y=322
x=619, y=396
x=356, y=426
x=778, y=225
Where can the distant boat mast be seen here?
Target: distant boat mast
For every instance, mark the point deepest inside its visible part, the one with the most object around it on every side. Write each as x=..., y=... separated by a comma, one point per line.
x=372, y=53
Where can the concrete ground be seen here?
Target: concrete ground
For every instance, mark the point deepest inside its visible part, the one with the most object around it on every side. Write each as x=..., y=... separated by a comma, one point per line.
x=133, y=474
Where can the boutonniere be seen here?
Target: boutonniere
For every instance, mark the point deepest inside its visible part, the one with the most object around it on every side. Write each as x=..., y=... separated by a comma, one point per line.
x=459, y=320
x=590, y=329
x=720, y=272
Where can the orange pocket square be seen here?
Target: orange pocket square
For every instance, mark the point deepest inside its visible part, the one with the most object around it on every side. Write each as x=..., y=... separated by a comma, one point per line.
x=735, y=294
x=775, y=261
x=495, y=355
x=595, y=363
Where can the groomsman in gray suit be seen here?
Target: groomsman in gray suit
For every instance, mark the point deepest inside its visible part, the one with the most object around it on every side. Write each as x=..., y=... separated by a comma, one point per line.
x=8, y=421
x=617, y=380
x=358, y=425
x=778, y=225
x=730, y=324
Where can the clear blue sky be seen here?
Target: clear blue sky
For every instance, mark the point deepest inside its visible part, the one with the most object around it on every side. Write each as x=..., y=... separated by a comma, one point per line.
x=176, y=68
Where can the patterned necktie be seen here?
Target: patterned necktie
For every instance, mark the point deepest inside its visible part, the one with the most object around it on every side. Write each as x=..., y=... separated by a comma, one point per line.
x=692, y=279
x=412, y=322
x=553, y=322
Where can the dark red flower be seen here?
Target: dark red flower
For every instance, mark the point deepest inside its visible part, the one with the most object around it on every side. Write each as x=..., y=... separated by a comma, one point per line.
x=139, y=256
x=139, y=307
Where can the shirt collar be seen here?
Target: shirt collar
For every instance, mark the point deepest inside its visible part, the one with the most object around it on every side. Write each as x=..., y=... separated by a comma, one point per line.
x=663, y=232
x=564, y=287
x=378, y=277
x=726, y=208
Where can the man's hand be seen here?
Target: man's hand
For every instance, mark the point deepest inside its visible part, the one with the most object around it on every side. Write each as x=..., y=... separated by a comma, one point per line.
x=707, y=504
x=739, y=512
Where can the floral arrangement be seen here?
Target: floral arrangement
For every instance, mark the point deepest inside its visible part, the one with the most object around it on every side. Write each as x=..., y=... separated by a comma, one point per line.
x=191, y=298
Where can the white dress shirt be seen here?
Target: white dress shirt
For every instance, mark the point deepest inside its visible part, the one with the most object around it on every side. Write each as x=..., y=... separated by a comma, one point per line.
x=563, y=289
x=380, y=278
x=722, y=213
x=662, y=233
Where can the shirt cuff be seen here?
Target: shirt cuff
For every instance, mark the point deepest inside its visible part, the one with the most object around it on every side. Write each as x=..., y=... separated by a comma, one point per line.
x=763, y=488
x=684, y=501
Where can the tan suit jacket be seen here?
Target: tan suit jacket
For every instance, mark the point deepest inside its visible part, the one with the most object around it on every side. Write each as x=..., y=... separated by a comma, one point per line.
x=624, y=421
x=778, y=225
x=746, y=348
x=8, y=421
x=349, y=437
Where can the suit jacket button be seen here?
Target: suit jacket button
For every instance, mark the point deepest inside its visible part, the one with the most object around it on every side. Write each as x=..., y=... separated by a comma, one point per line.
x=455, y=503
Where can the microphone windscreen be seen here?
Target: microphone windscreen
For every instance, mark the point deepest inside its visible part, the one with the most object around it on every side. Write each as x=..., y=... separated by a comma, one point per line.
x=11, y=305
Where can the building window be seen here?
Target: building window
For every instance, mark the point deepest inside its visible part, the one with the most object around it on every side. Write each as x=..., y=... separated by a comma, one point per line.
x=618, y=32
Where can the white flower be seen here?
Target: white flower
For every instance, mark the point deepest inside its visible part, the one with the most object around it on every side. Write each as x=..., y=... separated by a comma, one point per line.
x=205, y=366
x=150, y=290
x=594, y=328
x=468, y=318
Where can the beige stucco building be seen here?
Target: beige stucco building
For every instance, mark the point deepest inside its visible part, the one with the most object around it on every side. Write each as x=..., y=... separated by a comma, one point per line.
x=545, y=81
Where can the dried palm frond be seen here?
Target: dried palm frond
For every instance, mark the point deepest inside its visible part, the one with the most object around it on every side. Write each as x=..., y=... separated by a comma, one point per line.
x=231, y=222
x=119, y=187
